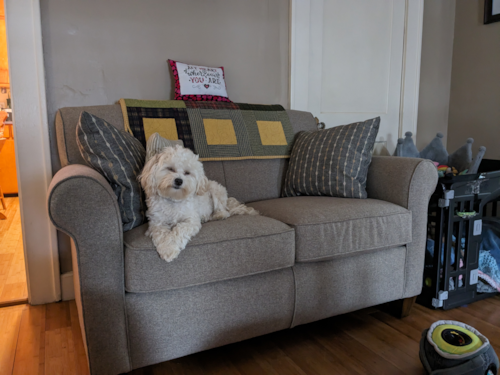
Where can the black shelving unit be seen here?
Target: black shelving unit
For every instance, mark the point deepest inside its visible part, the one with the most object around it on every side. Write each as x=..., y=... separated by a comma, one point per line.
x=456, y=210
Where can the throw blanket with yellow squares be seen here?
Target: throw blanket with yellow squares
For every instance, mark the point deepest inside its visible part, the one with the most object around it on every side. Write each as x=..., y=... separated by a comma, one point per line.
x=213, y=130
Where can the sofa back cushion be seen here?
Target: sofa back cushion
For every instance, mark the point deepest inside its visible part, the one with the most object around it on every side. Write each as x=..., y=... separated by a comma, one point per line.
x=246, y=180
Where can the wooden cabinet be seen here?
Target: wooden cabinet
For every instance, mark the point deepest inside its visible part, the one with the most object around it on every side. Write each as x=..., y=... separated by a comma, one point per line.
x=8, y=174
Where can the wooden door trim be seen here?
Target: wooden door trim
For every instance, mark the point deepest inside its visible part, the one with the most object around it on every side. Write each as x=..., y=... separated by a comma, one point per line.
x=34, y=171
x=299, y=53
x=410, y=80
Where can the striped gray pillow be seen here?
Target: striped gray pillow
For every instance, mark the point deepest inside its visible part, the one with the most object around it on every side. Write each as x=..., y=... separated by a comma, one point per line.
x=156, y=143
x=119, y=157
x=332, y=162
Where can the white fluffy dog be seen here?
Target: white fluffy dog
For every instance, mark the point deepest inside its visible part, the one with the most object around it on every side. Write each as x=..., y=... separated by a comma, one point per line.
x=180, y=198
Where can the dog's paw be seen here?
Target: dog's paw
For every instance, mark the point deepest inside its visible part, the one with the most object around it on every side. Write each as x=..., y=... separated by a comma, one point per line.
x=220, y=215
x=251, y=211
x=168, y=251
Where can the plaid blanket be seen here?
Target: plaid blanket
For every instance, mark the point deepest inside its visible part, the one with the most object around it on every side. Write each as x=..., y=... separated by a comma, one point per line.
x=213, y=130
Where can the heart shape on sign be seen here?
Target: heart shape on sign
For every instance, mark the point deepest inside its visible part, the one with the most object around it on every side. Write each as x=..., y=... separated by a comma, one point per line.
x=206, y=86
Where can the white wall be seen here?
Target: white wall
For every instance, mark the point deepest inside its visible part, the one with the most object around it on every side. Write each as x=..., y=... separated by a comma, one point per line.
x=98, y=51
x=435, y=73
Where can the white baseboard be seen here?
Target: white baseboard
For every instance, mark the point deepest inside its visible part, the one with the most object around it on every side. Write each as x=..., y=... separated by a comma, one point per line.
x=67, y=288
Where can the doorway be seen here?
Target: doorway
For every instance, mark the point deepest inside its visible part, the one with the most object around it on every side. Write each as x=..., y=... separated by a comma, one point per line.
x=13, y=285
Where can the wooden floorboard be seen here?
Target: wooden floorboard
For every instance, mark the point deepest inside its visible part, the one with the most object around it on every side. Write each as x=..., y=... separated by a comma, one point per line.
x=13, y=286
x=309, y=354
x=46, y=340
x=387, y=344
x=30, y=353
x=10, y=321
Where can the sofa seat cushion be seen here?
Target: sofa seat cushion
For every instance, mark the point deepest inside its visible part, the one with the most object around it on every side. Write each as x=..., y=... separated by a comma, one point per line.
x=327, y=227
x=235, y=247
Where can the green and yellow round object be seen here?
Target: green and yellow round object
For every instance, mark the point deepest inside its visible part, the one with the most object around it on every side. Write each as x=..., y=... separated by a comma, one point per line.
x=454, y=339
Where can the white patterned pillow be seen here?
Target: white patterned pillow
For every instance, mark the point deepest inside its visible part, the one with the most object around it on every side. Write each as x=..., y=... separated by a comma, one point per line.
x=119, y=157
x=156, y=143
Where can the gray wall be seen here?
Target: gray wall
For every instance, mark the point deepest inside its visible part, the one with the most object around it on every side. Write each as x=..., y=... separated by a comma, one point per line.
x=435, y=73
x=98, y=51
x=475, y=82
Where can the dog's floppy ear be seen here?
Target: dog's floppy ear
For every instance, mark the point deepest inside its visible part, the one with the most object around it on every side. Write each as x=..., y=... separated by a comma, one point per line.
x=147, y=177
x=201, y=186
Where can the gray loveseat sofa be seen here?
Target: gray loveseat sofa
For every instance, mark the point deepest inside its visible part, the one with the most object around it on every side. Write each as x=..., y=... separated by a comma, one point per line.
x=304, y=259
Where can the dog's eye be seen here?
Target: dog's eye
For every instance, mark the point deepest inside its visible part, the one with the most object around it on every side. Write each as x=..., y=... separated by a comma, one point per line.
x=187, y=173
x=171, y=169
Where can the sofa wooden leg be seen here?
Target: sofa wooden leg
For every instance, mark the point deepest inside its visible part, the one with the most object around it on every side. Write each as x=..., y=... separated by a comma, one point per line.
x=400, y=308
x=407, y=304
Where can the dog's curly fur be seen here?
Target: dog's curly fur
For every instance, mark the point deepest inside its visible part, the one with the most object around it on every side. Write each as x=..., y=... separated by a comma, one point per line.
x=180, y=198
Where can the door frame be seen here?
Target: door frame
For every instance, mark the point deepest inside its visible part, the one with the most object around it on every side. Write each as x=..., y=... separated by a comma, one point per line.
x=301, y=25
x=32, y=145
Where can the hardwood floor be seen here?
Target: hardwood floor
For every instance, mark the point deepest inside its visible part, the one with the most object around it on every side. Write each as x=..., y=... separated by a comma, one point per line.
x=13, y=287
x=46, y=340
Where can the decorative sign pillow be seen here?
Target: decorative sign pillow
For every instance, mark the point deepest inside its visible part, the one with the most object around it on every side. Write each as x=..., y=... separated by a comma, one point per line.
x=200, y=83
x=119, y=157
x=332, y=162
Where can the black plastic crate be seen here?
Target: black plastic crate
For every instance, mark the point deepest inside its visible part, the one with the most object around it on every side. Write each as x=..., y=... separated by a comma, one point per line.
x=455, y=216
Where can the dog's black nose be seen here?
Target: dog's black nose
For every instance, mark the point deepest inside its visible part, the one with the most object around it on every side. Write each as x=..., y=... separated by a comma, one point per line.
x=178, y=181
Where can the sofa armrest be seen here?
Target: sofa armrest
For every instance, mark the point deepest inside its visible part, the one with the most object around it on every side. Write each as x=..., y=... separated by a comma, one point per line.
x=82, y=204
x=407, y=182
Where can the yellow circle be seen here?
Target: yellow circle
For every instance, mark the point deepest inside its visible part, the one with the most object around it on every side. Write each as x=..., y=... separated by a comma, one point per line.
x=428, y=282
x=463, y=341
